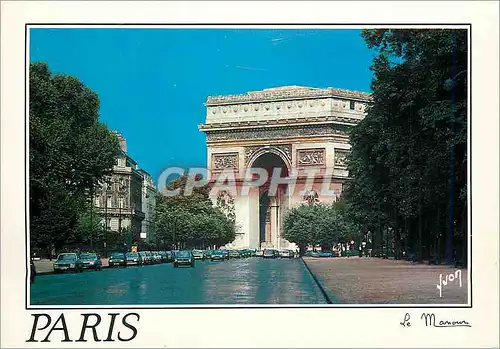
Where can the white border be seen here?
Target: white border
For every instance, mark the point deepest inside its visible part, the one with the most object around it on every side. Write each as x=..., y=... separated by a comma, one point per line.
x=309, y=327
x=198, y=306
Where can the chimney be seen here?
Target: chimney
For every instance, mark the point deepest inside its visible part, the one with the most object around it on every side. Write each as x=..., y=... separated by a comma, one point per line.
x=123, y=141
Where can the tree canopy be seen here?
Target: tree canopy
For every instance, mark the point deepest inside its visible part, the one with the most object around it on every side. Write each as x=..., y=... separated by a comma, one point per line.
x=411, y=147
x=69, y=152
x=191, y=220
x=318, y=224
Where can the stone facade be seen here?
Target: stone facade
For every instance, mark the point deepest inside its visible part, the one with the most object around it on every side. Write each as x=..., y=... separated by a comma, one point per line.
x=300, y=129
x=119, y=199
x=148, y=206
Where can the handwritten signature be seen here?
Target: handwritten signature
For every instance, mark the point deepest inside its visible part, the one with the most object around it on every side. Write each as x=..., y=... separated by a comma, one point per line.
x=448, y=278
x=430, y=321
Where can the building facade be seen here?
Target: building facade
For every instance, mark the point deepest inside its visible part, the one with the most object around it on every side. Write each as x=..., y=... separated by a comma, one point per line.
x=297, y=130
x=148, y=206
x=119, y=199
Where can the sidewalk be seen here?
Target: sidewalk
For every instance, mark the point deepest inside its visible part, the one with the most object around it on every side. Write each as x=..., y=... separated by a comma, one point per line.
x=383, y=281
x=45, y=266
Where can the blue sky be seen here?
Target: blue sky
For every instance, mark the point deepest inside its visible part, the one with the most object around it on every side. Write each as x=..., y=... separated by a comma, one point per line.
x=152, y=83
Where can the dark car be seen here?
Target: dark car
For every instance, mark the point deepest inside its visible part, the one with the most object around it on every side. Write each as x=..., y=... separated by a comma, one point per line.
x=32, y=271
x=219, y=255
x=133, y=258
x=314, y=254
x=325, y=254
x=117, y=260
x=184, y=258
x=91, y=261
x=68, y=262
x=145, y=258
x=157, y=259
x=270, y=253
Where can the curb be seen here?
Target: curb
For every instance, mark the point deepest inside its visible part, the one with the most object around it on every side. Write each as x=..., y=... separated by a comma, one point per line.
x=321, y=288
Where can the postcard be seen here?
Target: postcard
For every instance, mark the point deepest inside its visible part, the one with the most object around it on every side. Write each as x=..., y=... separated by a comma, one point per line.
x=183, y=174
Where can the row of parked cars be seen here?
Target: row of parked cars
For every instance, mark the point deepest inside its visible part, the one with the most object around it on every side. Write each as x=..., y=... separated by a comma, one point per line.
x=77, y=262
x=118, y=259
x=321, y=254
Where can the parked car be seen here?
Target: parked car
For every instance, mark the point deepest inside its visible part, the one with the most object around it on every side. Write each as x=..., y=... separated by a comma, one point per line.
x=259, y=253
x=68, y=262
x=133, y=258
x=151, y=257
x=184, y=258
x=163, y=256
x=314, y=254
x=198, y=254
x=156, y=257
x=32, y=271
x=234, y=254
x=117, y=260
x=270, y=253
x=145, y=257
x=286, y=254
x=170, y=256
x=91, y=261
x=326, y=254
x=219, y=255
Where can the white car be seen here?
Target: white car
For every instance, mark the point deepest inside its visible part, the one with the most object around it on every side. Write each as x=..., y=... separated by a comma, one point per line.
x=286, y=254
x=259, y=253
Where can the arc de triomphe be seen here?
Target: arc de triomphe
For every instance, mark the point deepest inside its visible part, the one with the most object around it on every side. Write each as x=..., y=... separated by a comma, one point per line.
x=298, y=129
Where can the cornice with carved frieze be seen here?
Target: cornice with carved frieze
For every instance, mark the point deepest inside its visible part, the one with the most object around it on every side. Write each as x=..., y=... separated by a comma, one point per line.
x=287, y=93
x=279, y=122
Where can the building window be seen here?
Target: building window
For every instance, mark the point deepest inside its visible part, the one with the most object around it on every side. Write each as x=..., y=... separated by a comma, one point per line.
x=351, y=105
x=108, y=201
x=96, y=201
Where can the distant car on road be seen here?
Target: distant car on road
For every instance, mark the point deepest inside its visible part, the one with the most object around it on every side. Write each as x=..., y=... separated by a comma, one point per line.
x=314, y=254
x=170, y=256
x=325, y=254
x=68, y=262
x=259, y=253
x=286, y=254
x=198, y=254
x=117, y=260
x=270, y=253
x=91, y=261
x=234, y=254
x=133, y=258
x=156, y=257
x=184, y=258
x=219, y=255
x=146, y=258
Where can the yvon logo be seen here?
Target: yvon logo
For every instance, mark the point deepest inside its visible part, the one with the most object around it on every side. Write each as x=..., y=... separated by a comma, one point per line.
x=453, y=277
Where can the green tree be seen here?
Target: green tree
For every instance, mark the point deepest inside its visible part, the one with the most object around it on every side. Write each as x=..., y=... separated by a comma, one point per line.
x=401, y=161
x=317, y=224
x=191, y=220
x=70, y=151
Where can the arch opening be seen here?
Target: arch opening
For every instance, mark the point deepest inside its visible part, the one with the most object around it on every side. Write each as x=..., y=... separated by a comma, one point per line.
x=270, y=205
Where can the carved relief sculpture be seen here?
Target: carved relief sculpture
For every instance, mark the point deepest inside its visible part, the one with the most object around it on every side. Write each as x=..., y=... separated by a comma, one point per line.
x=285, y=148
x=224, y=161
x=341, y=158
x=311, y=157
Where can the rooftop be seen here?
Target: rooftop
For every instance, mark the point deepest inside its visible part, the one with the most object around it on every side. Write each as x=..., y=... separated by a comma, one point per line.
x=286, y=93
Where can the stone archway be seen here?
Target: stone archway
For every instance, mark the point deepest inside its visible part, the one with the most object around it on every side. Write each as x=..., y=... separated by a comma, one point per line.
x=300, y=129
x=270, y=205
